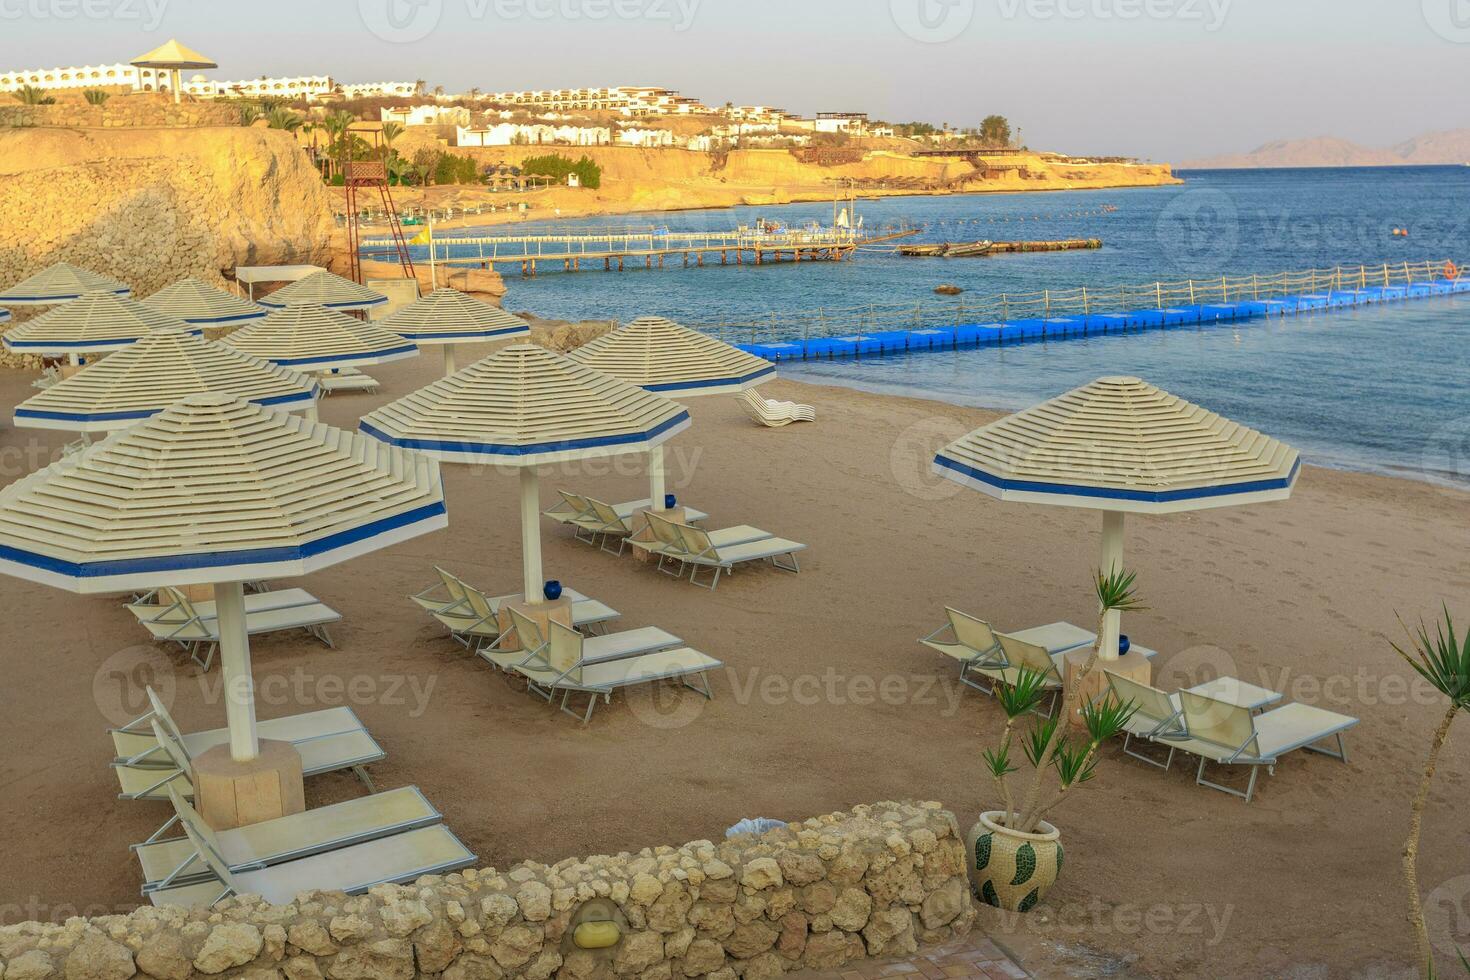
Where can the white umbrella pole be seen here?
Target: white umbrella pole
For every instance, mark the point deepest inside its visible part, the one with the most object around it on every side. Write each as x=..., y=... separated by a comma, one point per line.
x=656, y=478
x=234, y=657
x=448, y=359
x=531, y=533
x=76, y=359
x=1112, y=560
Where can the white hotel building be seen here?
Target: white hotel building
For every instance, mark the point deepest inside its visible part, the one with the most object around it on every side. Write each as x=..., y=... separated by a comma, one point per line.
x=310, y=87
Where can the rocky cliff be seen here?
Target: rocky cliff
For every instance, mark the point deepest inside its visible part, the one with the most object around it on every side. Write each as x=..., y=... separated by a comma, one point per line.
x=151, y=206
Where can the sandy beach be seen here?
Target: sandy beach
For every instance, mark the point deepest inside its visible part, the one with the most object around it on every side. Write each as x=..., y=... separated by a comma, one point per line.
x=827, y=699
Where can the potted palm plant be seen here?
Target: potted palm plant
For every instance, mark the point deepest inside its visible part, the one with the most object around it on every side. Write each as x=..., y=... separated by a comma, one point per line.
x=1443, y=661
x=1015, y=854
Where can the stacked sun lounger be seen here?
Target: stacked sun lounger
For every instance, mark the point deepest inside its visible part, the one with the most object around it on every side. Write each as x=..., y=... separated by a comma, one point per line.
x=1218, y=723
x=774, y=414
x=346, y=380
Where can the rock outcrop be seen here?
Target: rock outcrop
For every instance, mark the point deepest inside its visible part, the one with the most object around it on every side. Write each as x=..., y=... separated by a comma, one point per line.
x=152, y=206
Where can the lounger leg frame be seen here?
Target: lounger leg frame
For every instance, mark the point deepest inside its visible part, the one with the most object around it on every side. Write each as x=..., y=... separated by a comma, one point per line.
x=367, y=780
x=1250, y=790
x=1340, y=755
x=1127, y=740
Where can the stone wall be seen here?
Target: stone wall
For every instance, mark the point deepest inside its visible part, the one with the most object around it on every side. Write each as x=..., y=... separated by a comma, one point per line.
x=877, y=881
x=119, y=112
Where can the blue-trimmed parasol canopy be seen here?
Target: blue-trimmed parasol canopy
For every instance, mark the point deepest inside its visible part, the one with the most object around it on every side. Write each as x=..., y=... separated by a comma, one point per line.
x=313, y=338
x=94, y=324
x=325, y=289
x=60, y=283
x=447, y=317
x=660, y=355
x=198, y=303
x=524, y=407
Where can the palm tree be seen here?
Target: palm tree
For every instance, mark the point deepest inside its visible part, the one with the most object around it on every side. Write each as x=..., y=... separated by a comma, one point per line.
x=391, y=131
x=1444, y=662
x=95, y=96
x=418, y=85
x=30, y=95
x=249, y=113
x=336, y=124
x=283, y=118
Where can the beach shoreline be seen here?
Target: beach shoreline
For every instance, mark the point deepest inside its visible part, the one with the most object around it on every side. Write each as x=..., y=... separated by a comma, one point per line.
x=1302, y=595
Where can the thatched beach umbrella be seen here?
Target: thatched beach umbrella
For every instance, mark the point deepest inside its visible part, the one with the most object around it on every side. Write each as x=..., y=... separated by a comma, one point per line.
x=310, y=338
x=176, y=59
x=325, y=289
x=659, y=355
x=147, y=377
x=204, y=305
x=94, y=324
x=60, y=283
x=524, y=407
x=1121, y=446
x=447, y=317
x=215, y=491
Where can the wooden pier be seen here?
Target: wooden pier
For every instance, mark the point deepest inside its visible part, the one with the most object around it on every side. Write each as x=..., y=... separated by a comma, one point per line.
x=572, y=253
x=965, y=250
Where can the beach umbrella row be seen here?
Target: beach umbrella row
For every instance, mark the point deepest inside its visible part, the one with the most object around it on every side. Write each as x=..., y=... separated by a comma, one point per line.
x=148, y=376
x=215, y=491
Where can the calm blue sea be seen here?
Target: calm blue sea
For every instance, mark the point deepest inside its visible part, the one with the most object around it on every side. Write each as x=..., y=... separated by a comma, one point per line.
x=1385, y=388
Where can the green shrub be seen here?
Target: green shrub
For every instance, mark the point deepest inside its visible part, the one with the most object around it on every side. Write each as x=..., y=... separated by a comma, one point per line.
x=557, y=167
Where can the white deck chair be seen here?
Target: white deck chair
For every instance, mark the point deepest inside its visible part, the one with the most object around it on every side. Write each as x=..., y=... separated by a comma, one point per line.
x=575, y=512
x=477, y=624
x=532, y=658
x=198, y=633
x=345, y=380
x=1157, y=716
x=774, y=414
x=672, y=547
x=975, y=643
x=445, y=595
x=135, y=744
x=175, y=861
x=1231, y=735
x=351, y=750
x=400, y=858
x=574, y=675
x=702, y=552
x=172, y=612
x=49, y=376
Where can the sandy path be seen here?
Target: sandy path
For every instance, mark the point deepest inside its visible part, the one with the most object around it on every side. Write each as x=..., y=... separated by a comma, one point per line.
x=828, y=699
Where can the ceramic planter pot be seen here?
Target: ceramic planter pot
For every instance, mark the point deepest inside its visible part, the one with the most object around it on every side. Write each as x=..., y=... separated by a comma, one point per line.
x=1011, y=870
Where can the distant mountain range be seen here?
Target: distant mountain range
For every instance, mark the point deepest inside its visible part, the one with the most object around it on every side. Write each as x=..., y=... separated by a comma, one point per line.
x=1450, y=146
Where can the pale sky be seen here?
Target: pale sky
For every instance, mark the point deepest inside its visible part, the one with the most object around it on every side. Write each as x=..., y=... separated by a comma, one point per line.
x=1162, y=79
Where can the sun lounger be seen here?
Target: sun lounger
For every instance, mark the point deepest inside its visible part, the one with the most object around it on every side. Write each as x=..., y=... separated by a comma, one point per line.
x=616, y=521
x=198, y=633
x=574, y=675
x=174, y=613
x=134, y=744
x=336, y=752
x=477, y=623
x=702, y=552
x=400, y=858
x=975, y=643
x=668, y=544
x=774, y=414
x=445, y=595
x=176, y=861
x=531, y=659
x=345, y=380
x=49, y=376
x=1232, y=735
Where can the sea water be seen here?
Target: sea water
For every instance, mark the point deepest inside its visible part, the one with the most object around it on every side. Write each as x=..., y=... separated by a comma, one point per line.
x=1384, y=388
